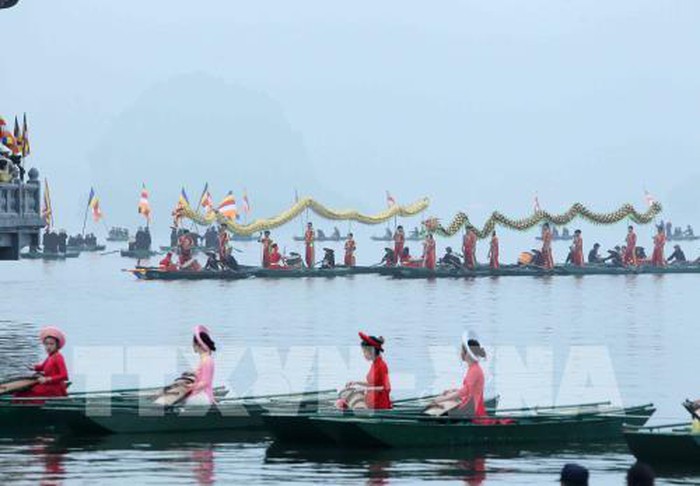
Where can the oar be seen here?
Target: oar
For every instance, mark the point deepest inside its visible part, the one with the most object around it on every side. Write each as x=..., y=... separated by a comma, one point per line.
x=109, y=252
x=690, y=407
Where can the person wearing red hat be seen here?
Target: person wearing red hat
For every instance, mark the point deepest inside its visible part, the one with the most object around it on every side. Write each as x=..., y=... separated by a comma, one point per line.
x=202, y=391
x=377, y=385
x=53, y=378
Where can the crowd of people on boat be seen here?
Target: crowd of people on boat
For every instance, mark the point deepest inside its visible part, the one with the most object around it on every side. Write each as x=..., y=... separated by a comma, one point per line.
x=181, y=256
x=142, y=240
x=79, y=241
x=118, y=233
x=677, y=232
x=54, y=241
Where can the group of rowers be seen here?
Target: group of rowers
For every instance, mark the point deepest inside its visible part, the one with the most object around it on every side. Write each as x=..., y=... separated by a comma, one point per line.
x=52, y=374
x=627, y=255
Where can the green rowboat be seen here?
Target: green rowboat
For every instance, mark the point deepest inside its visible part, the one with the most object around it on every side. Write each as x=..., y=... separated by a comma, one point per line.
x=673, y=444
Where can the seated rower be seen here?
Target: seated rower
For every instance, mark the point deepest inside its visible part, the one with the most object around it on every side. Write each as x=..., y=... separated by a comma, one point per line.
x=212, y=262
x=328, y=258
x=677, y=256
x=470, y=398
x=616, y=256
x=202, y=390
x=377, y=386
x=450, y=259
x=389, y=258
x=166, y=264
x=275, y=258
x=53, y=378
x=408, y=261
x=593, y=255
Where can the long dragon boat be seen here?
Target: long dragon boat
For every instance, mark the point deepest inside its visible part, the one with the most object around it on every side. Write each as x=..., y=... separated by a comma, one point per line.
x=146, y=273
x=673, y=444
x=392, y=429
x=533, y=271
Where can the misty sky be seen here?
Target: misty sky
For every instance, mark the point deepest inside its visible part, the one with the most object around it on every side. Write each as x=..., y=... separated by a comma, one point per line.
x=476, y=104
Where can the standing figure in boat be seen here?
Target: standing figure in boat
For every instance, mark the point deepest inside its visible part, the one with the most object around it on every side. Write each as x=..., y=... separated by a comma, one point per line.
x=657, y=257
x=429, y=252
x=399, y=241
x=577, y=252
x=202, y=390
x=469, y=399
x=186, y=250
x=493, y=252
x=350, y=248
x=547, y=256
x=630, y=255
x=266, y=242
x=53, y=378
x=469, y=248
x=309, y=239
x=377, y=386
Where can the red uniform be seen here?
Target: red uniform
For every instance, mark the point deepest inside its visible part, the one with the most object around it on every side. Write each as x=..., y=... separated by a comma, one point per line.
x=630, y=256
x=275, y=259
x=577, y=256
x=469, y=249
x=56, y=374
x=223, y=245
x=350, y=248
x=378, y=376
x=472, y=391
x=167, y=263
x=309, y=238
x=266, y=242
x=399, y=242
x=547, y=249
x=493, y=253
x=657, y=258
x=429, y=257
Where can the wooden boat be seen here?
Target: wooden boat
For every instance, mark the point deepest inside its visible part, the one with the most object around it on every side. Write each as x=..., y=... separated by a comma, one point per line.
x=673, y=444
x=532, y=271
x=302, y=272
x=151, y=273
x=139, y=254
x=407, y=427
x=228, y=414
x=40, y=255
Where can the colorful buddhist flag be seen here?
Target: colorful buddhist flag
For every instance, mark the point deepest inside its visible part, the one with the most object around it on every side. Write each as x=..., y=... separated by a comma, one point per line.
x=390, y=201
x=144, y=205
x=47, y=211
x=227, y=206
x=94, y=205
x=246, y=203
x=25, y=148
x=184, y=201
x=206, y=201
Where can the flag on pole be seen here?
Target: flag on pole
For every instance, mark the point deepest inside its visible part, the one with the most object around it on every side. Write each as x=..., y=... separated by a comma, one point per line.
x=650, y=200
x=144, y=205
x=94, y=204
x=537, y=206
x=246, y=202
x=183, y=201
x=26, y=148
x=207, y=202
x=390, y=201
x=227, y=206
x=47, y=212
x=17, y=133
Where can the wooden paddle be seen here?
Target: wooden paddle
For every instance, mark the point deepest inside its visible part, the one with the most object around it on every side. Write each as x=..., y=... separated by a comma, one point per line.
x=442, y=408
x=354, y=398
x=176, y=392
x=109, y=252
x=18, y=384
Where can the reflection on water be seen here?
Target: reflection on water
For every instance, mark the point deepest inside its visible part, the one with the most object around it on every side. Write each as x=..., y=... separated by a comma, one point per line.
x=646, y=323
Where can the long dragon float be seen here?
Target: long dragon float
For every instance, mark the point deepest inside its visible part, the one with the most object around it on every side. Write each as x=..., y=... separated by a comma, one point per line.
x=297, y=209
x=577, y=210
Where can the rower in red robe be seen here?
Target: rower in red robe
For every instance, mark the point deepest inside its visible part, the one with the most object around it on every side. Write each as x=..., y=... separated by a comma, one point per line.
x=167, y=264
x=309, y=239
x=630, y=256
x=657, y=257
x=54, y=375
x=266, y=242
x=377, y=385
x=577, y=252
x=469, y=248
x=275, y=258
x=429, y=252
x=399, y=242
x=350, y=248
x=547, y=257
x=493, y=252
x=186, y=248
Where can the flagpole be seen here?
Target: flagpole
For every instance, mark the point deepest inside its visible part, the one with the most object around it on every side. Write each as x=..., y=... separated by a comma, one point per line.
x=87, y=206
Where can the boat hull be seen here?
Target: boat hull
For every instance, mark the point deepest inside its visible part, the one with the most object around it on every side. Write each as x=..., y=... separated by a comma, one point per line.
x=665, y=447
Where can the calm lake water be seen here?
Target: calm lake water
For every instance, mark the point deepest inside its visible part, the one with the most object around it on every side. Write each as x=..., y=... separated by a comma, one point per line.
x=630, y=339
